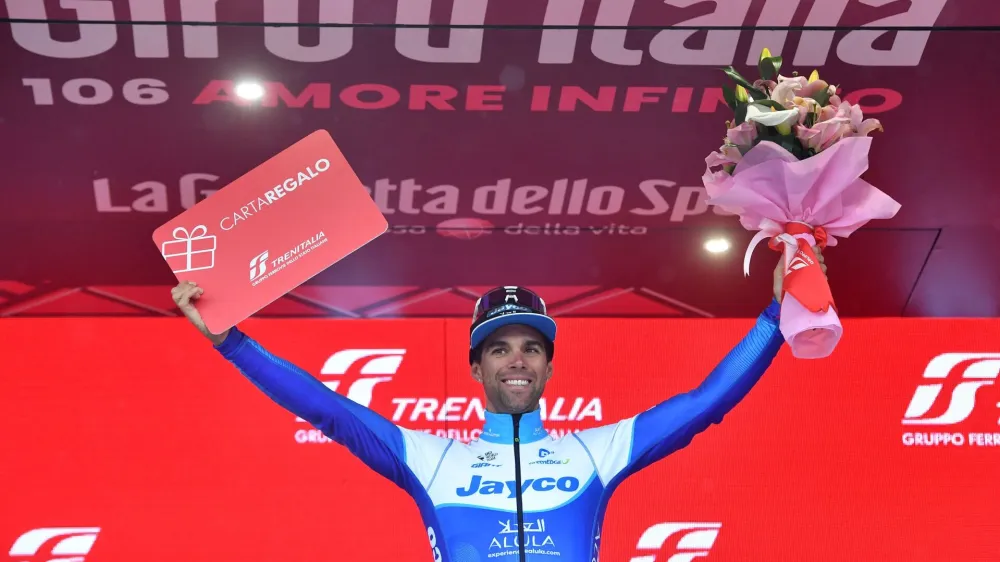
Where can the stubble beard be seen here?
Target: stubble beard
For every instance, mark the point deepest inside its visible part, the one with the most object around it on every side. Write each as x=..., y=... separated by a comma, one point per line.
x=518, y=405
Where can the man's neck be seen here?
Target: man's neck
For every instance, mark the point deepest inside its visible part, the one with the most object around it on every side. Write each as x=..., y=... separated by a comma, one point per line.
x=499, y=427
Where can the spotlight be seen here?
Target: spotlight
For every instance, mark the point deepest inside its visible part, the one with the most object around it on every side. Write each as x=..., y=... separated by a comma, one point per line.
x=249, y=90
x=716, y=245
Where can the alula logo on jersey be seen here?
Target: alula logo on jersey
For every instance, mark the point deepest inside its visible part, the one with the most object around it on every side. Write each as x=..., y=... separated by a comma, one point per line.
x=953, y=388
x=366, y=375
x=477, y=485
x=537, y=539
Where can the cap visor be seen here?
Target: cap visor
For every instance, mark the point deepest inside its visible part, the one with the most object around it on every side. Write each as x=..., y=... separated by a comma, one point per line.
x=542, y=323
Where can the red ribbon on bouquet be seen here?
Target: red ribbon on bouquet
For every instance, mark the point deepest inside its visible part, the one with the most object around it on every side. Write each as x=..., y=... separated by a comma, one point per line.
x=804, y=278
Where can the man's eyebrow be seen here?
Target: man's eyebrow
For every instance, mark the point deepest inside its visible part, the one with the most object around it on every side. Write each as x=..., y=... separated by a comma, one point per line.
x=503, y=343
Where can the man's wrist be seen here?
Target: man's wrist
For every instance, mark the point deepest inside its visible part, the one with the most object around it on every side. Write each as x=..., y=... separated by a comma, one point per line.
x=218, y=339
x=773, y=310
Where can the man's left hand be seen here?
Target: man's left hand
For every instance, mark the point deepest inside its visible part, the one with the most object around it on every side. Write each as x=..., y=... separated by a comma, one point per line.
x=779, y=271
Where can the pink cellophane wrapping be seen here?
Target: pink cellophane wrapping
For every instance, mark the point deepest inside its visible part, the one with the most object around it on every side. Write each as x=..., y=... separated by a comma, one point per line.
x=770, y=188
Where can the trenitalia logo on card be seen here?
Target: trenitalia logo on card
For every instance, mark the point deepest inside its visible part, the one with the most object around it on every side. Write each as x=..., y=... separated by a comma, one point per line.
x=355, y=373
x=954, y=401
x=263, y=265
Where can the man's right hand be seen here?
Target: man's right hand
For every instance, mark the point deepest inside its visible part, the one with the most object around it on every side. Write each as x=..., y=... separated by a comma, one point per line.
x=184, y=295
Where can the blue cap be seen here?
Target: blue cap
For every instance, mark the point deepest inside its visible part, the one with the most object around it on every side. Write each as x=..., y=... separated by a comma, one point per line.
x=509, y=305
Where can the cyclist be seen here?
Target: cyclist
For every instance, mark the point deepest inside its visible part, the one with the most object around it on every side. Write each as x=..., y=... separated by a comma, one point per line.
x=516, y=492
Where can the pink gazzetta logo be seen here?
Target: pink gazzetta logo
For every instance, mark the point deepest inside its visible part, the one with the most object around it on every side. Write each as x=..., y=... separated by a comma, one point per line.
x=464, y=228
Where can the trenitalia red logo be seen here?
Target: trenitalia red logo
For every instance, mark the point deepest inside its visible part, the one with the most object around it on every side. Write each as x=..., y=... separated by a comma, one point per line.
x=676, y=542
x=377, y=365
x=948, y=396
x=355, y=373
x=55, y=544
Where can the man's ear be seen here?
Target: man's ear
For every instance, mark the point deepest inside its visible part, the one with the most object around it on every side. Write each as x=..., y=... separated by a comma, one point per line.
x=477, y=372
x=548, y=372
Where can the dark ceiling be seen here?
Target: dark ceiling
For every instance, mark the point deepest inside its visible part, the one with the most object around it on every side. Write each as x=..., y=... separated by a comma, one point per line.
x=111, y=129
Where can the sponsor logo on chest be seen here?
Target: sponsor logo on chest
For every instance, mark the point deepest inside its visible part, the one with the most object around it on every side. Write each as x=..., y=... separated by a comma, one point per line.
x=479, y=486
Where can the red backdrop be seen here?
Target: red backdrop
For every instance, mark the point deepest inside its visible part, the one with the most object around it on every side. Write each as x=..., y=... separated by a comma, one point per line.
x=133, y=435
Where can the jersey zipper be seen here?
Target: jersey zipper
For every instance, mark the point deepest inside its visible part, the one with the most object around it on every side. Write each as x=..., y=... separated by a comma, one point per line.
x=517, y=482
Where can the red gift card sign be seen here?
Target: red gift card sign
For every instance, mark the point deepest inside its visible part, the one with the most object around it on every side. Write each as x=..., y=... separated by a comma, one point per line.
x=271, y=230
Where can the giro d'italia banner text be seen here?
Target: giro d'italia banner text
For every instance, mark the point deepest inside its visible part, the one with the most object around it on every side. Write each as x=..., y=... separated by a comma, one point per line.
x=131, y=439
x=467, y=138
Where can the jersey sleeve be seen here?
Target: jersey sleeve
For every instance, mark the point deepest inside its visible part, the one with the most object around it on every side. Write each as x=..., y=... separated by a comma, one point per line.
x=623, y=448
x=396, y=453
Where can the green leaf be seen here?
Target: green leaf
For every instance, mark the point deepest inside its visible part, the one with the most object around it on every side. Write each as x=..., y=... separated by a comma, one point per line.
x=771, y=103
x=776, y=63
x=822, y=97
x=778, y=139
x=730, y=96
x=792, y=146
x=769, y=68
x=739, y=79
x=766, y=69
x=736, y=76
x=741, y=114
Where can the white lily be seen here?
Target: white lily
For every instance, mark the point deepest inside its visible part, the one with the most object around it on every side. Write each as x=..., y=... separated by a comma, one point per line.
x=770, y=117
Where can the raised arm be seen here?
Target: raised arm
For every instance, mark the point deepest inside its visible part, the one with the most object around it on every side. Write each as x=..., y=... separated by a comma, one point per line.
x=628, y=446
x=369, y=436
x=405, y=457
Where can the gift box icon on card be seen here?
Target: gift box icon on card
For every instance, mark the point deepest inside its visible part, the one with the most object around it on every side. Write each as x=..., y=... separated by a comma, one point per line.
x=190, y=251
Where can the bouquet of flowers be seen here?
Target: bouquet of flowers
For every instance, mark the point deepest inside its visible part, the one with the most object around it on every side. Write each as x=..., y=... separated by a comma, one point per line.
x=790, y=168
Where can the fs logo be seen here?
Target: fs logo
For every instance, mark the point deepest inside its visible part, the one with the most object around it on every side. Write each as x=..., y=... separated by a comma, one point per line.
x=377, y=366
x=693, y=540
x=258, y=265
x=980, y=369
x=797, y=263
x=70, y=544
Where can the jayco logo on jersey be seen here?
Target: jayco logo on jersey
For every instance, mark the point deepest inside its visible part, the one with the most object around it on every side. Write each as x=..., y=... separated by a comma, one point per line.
x=489, y=487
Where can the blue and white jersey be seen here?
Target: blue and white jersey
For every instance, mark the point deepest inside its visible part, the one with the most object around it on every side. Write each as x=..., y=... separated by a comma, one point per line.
x=516, y=493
